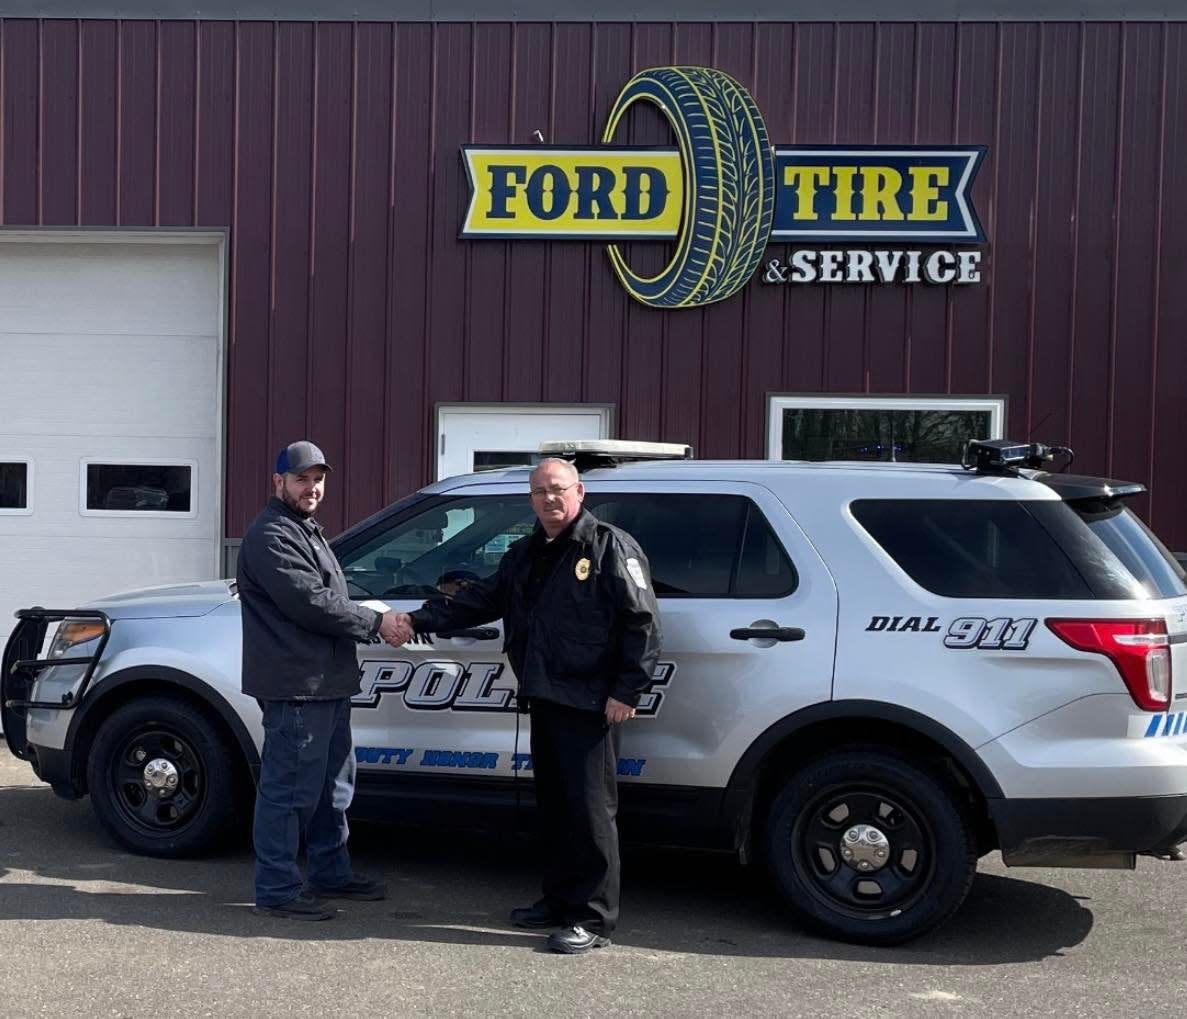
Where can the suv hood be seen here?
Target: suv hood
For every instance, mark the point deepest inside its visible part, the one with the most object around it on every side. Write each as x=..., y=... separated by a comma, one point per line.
x=169, y=600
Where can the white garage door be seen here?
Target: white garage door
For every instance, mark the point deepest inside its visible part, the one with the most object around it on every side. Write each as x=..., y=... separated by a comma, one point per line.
x=111, y=368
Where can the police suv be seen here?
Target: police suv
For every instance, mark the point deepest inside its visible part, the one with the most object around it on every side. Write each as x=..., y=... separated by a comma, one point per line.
x=872, y=675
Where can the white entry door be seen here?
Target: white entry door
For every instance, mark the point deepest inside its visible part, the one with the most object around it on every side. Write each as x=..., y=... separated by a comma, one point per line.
x=473, y=437
x=111, y=356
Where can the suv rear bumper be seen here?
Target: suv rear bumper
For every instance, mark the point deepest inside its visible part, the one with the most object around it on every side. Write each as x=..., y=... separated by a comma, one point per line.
x=1104, y=832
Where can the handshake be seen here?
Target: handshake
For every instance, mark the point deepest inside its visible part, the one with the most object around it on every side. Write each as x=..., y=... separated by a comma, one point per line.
x=396, y=628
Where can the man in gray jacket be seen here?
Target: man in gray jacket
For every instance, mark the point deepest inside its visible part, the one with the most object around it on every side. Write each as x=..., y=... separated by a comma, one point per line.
x=299, y=633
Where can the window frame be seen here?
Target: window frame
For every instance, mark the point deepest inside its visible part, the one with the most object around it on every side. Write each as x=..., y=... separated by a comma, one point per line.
x=141, y=461
x=996, y=405
x=27, y=509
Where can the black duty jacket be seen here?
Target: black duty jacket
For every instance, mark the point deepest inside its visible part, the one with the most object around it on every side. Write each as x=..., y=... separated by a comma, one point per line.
x=592, y=633
x=299, y=625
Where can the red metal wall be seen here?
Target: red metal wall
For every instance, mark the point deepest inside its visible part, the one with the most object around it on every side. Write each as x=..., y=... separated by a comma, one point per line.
x=331, y=153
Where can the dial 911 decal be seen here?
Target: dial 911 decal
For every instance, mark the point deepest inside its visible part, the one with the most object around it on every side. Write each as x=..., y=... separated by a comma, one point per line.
x=1002, y=634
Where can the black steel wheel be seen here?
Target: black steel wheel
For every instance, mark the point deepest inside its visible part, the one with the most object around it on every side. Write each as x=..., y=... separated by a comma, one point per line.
x=161, y=778
x=869, y=847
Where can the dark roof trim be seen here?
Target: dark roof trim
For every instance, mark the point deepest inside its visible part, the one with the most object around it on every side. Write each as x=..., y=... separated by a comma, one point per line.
x=606, y=10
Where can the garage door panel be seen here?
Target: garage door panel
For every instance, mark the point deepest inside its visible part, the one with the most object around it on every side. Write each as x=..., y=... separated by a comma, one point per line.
x=127, y=385
x=67, y=287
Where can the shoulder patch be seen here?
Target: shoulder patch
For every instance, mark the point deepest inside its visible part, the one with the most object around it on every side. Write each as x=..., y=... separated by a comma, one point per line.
x=635, y=569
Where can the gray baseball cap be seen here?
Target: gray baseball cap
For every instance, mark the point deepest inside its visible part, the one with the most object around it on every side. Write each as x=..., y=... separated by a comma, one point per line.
x=300, y=456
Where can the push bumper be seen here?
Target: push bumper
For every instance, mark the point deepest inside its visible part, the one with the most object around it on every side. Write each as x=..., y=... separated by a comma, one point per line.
x=1105, y=832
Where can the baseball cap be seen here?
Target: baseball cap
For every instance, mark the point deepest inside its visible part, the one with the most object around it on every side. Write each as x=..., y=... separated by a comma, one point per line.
x=300, y=456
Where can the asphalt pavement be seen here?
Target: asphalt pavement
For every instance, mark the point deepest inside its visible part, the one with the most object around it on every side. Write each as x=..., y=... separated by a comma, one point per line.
x=86, y=928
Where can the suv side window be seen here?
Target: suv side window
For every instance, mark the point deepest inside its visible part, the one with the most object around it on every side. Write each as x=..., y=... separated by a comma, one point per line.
x=701, y=546
x=434, y=551
x=972, y=548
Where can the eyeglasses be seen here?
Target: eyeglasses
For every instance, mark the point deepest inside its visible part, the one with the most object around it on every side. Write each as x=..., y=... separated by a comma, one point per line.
x=539, y=493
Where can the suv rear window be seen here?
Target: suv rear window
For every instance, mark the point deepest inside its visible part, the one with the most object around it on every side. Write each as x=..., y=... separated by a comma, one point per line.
x=971, y=548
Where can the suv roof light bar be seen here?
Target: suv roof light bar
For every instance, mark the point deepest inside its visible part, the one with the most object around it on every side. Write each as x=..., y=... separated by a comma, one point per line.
x=589, y=453
x=1005, y=456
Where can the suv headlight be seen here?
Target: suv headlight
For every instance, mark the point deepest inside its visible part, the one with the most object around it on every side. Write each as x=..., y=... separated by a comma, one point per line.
x=71, y=634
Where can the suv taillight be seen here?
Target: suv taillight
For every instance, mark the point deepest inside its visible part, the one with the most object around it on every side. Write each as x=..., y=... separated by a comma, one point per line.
x=1138, y=647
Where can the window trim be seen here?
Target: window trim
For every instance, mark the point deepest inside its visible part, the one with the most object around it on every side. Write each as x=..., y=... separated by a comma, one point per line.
x=141, y=461
x=27, y=509
x=779, y=402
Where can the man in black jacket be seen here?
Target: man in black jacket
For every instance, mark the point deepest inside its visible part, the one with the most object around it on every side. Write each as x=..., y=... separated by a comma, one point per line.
x=299, y=662
x=581, y=630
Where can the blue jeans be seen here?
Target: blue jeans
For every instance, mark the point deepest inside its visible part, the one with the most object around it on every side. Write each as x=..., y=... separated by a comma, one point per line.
x=306, y=783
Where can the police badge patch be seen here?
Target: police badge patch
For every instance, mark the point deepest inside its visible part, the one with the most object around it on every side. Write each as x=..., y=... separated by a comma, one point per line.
x=636, y=571
x=581, y=570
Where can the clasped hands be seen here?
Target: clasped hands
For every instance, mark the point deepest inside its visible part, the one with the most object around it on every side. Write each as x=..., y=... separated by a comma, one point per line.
x=396, y=628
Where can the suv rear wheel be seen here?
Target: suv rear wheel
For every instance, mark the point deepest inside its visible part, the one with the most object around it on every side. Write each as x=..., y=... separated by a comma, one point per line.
x=868, y=847
x=161, y=778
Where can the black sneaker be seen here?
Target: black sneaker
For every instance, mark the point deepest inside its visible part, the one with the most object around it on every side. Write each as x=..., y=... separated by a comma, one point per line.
x=574, y=940
x=537, y=915
x=303, y=907
x=358, y=888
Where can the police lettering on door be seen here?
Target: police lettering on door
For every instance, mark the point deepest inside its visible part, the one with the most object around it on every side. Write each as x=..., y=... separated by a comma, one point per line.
x=451, y=686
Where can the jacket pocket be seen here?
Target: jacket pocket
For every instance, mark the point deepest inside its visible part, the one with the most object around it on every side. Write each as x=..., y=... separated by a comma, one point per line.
x=580, y=649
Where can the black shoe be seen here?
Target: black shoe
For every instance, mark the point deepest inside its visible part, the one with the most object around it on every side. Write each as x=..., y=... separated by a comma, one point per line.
x=303, y=907
x=574, y=940
x=539, y=914
x=358, y=888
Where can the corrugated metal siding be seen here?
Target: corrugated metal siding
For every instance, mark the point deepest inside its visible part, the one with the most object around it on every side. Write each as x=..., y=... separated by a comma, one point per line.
x=331, y=152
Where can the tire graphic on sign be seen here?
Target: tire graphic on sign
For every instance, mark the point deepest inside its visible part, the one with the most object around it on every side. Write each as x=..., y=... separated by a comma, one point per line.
x=729, y=185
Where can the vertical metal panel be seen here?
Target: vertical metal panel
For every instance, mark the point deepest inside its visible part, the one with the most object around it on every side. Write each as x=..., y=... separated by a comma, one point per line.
x=1168, y=409
x=366, y=459
x=98, y=115
x=177, y=94
x=136, y=157
x=58, y=131
x=1135, y=277
x=331, y=153
x=21, y=45
x=326, y=383
x=1096, y=171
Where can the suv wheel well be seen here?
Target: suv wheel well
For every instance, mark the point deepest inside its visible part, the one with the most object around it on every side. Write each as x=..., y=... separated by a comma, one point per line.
x=843, y=734
x=126, y=692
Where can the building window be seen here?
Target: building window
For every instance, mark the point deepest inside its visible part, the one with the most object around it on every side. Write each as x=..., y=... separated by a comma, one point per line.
x=16, y=485
x=877, y=428
x=138, y=488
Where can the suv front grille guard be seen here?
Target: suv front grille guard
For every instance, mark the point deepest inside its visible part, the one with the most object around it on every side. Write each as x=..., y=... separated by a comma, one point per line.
x=21, y=666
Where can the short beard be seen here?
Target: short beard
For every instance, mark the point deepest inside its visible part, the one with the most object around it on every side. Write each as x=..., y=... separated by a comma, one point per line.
x=292, y=503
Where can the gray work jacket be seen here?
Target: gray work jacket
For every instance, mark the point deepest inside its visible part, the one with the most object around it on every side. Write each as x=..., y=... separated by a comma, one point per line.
x=299, y=625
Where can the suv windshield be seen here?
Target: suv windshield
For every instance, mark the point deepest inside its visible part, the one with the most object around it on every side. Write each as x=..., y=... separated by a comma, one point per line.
x=980, y=548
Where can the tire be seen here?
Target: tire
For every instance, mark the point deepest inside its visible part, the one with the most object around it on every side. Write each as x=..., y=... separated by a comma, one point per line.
x=198, y=811
x=928, y=861
x=729, y=180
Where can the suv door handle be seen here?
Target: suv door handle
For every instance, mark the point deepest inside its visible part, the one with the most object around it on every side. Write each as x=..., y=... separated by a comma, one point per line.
x=476, y=633
x=783, y=633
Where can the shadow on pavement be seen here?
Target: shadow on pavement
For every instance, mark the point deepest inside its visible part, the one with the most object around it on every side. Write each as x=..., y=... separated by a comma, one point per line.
x=456, y=888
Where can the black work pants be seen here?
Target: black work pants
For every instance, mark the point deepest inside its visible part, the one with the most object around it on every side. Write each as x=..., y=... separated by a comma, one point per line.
x=575, y=767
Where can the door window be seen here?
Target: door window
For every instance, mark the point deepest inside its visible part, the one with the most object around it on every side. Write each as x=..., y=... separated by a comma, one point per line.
x=439, y=549
x=701, y=546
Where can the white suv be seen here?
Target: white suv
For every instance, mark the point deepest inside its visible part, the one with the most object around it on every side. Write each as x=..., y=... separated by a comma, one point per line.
x=872, y=674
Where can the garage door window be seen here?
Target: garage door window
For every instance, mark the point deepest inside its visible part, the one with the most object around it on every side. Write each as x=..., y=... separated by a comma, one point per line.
x=14, y=486
x=138, y=488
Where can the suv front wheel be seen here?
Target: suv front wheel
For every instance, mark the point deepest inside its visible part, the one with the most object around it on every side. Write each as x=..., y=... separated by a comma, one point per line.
x=868, y=847
x=161, y=778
